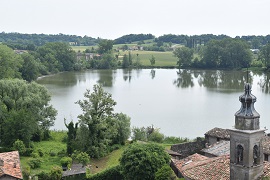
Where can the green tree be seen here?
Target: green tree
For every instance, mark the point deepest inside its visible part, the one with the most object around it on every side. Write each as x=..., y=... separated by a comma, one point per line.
x=56, y=173
x=30, y=67
x=184, y=55
x=24, y=110
x=125, y=63
x=152, y=60
x=10, y=63
x=83, y=158
x=104, y=46
x=72, y=131
x=97, y=108
x=264, y=55
x=19, y=146
x=142, y=161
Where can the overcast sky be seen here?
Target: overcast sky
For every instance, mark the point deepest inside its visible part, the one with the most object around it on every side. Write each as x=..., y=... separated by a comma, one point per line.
x=114, y=18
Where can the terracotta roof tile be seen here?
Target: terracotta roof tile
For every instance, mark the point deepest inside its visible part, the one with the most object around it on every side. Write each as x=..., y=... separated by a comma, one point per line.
x=218, y=132
x=11, y=165
x=217, y=168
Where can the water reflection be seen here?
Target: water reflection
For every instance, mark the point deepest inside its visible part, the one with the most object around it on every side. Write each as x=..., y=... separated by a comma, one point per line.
x=184, y=78
x=127, y=74
x=152, y=73
x=264, y=83
x=224, y=80
x=67, y=79
x=106, y=78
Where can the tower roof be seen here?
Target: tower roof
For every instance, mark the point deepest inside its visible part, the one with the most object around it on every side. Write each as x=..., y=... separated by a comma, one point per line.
x=247, y=99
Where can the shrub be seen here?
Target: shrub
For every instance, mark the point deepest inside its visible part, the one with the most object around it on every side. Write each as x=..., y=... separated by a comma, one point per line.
x=26, y=173
x=19, y=146
x=44, y=176
x=83, y=158
x=112, y=173
x=56, y=173
x=28, y=152
x=34, y=155
x=165, y=173
x=40, y=152
x=141, y=161
x=62, y=153
x=66, y=162
x=156, y=137
x=34, y=163
x=52, y=153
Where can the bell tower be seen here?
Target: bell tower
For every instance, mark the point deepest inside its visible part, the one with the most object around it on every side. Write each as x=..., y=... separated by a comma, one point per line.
x=246, y=152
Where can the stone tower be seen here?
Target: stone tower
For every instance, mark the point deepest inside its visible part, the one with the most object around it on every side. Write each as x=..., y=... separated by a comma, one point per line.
x=246, y=153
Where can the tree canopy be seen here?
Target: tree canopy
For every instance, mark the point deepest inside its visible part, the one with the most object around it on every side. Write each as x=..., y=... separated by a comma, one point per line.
x=100, y=127
x=24, y=111
x=142, y=161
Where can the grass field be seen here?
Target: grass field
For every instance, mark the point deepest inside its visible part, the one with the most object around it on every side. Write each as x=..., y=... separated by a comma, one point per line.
x=163, y=59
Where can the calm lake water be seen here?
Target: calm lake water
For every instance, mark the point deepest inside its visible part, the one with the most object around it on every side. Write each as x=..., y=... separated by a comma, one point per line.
x=184, y=103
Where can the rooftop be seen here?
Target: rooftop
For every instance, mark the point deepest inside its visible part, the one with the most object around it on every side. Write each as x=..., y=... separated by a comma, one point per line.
x=218, y=132
x=11, y=164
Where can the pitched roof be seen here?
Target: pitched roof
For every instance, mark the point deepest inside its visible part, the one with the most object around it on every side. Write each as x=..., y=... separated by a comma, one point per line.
x=217, y=168
x=218, y=132
x=11, y=164
x=218, y=149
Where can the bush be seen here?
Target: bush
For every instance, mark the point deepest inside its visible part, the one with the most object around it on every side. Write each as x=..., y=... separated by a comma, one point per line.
x=165, y=173
x=112, y=173
x=34, y=163
x=40, y=152
x=34, y=155
x=28, y=152
x=62, y=153
x=66, y=162
x=19, y=146
x=174, y=140
x=156, y=137
x=26, y=173
x=52, y=153
x=56, y=173
x=141, y=161
x=44, y=176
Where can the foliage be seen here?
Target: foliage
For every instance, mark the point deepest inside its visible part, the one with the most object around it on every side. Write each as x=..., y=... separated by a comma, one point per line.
x=139, y=134
x=174, y=140
x=56, y=173
x=66, y=162
x=152, y=60
x=83, y=158
x=98, y=123
x=226, y=53
x=56, y=57
x=156, y=136
x=34, y=163
x=184, y=55
x=142, y=161
x=165, y=173
x=26, y=172
x=147, y=134
x=125, y=62
x=72, y=131
x=19, y=146
x=105, y=46
x=10, y=63
x=264, y=55
x=30, y=68
x=112, y=173
x=133, y=37
x=24, y=110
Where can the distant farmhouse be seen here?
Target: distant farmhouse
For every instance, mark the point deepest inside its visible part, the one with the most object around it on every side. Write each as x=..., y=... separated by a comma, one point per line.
x=228, y=154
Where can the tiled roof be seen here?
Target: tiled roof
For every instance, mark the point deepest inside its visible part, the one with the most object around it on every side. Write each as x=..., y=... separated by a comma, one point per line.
x=218, y=132
x=217, y=168
x=266, y=145
x=11, y=165
x=218, y=149
x=75, y=169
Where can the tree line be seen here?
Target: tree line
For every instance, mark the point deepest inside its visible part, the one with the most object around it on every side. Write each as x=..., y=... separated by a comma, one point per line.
x=229, y=53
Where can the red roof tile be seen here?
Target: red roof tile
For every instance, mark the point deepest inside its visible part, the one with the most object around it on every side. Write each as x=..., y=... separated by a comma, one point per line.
x=11, y=165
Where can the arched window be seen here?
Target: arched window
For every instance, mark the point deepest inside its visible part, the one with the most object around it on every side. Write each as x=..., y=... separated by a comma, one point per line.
x=256, y=155
x=240, y=154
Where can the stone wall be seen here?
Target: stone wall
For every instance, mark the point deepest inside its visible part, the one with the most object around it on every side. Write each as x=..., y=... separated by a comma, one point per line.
x=189, y=148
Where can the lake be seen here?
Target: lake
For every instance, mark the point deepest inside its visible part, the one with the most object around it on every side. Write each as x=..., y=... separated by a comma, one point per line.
x=185, y=103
